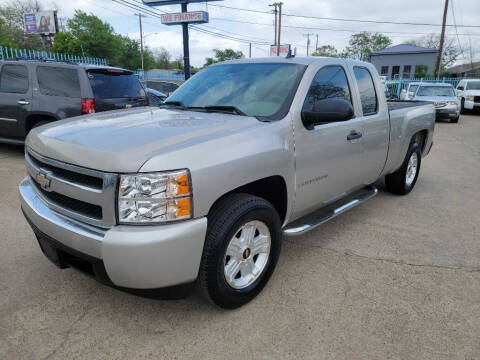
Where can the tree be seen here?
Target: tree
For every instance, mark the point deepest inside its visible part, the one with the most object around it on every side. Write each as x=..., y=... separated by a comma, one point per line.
x=177, y=63
x=362, y=44
x=162, y=58
x=326, y=50
x=451, y=50
x=12, y=29
x=223, y=55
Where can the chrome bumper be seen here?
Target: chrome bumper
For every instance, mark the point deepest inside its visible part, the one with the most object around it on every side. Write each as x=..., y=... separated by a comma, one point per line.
x=135, y=257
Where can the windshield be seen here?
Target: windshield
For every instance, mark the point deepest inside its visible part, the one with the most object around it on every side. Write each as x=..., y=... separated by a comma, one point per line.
x=473, y=85
x=261, y=89
x=412, y=88
x=106, y=85
x=435, y=91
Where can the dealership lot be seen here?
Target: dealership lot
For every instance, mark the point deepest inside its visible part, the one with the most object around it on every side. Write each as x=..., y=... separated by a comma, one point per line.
x=396, y=278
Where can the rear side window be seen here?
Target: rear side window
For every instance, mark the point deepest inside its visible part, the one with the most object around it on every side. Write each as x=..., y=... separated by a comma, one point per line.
x=368, y=96
x=329, y=82
x=109, y=85
x=58, y=81
x=14, y=79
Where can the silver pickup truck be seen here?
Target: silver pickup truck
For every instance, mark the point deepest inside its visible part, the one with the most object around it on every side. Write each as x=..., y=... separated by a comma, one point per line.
x=202, y=189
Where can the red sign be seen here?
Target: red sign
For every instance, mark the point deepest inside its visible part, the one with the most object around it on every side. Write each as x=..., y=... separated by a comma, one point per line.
x=284, y=49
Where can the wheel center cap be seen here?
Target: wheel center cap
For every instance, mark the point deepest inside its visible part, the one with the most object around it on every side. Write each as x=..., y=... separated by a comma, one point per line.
x=246, y=253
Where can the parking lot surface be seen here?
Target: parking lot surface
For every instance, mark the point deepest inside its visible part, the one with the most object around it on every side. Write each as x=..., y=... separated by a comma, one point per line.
x=395, y=278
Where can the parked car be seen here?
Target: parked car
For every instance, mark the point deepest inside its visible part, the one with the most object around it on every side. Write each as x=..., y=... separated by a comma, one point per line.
x=33, y=93
x=443, y=96
x=468, y=92
x=203, y=188
x=155, y=97
x=165, y=86
x=409, y=92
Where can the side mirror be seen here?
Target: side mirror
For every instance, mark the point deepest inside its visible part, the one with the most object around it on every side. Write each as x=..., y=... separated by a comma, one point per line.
x=460, y=88
x=326, y=111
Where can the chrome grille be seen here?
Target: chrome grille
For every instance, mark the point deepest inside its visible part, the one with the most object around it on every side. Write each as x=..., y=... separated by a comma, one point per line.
x=476, y=99
x=80, y=193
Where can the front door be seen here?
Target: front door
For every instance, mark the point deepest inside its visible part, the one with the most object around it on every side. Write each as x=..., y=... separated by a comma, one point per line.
x=328, y=157
x=15, y=99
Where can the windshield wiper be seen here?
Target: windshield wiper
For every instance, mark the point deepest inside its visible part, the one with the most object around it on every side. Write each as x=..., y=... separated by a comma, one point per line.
x=178, y=104
x=218, y=108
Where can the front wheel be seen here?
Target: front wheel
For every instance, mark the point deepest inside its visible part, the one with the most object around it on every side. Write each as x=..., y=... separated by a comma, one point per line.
x=454, y=120
x=241, y=250
x=402, y=181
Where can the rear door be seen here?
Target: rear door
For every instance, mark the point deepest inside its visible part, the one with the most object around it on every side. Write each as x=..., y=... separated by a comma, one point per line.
x=15, y=99
x=115, y=89
x=375, y=124
x=58, y=93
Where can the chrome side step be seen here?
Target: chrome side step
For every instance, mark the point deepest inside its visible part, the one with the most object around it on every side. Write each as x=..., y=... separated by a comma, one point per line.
x=311, y=221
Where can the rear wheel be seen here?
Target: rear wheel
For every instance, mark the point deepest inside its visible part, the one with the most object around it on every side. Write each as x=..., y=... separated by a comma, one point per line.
x=241, y=250
x=402, y=181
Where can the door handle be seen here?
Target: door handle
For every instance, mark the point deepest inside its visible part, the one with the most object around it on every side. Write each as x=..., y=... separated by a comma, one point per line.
x=22, y=102
x=354, y=135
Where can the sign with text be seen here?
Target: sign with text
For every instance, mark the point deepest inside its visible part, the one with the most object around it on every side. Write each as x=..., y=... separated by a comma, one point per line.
x=284, y=49
x=44, y=22
x=193, y=17
x=172, y=2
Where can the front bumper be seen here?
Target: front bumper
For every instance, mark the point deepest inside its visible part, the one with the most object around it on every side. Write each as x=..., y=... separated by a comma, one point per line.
x=451, y=111
x=133, y=257
x=470, y=105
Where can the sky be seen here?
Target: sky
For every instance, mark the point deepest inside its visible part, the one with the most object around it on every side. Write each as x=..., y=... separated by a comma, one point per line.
x=258, y=27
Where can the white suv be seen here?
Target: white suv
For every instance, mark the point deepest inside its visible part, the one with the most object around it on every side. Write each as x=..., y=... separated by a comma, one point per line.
x=468, y=92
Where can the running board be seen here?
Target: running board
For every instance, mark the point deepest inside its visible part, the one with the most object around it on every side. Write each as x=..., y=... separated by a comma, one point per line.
x=311, y=221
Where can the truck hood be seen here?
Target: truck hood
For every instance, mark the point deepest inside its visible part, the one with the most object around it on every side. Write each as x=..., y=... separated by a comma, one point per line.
x=122, y=141
x=472, y=92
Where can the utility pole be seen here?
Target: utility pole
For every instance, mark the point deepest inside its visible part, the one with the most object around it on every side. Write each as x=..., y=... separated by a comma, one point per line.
x=316, y=44
x=308, y=41
x=279, y=26
x=249, y=50
x=275, y=11
x=442, y=38
x=186, y=50
x=141, y=36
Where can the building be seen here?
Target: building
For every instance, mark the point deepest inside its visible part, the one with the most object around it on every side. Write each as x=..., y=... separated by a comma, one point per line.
x=404, y=61
x=468, y=70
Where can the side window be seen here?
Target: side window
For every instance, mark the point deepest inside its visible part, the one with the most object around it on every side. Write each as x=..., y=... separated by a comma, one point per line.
x=329, y=82
x=14, y=79
x=368, y=96
x=58, y=81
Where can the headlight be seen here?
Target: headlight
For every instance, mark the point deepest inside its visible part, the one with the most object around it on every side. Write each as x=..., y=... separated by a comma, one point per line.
x=453, y=102
x=155, y=197
x=469, y=97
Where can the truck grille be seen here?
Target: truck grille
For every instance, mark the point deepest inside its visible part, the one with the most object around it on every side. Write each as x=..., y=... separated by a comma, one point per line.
x=79, y=193
x=476, y=99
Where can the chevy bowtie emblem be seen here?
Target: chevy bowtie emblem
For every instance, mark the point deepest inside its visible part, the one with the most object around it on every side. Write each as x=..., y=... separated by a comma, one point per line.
x=43, y=180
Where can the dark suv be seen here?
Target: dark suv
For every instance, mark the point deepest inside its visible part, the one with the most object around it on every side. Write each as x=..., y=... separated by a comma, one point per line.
x=33, y=93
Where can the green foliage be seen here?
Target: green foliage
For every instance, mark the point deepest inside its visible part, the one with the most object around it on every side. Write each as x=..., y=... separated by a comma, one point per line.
x=451, y=50
x=362, y=44
x=66, y=43
x=421, y=71
x=326, y=50
x=223, y=55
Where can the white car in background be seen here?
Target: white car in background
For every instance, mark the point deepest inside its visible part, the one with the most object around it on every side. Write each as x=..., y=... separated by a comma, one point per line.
x=443, y=97
x=409, y=92
x=468, y=92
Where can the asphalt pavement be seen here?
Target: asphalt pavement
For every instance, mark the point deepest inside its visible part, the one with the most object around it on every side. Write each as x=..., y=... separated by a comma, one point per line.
x=395, y=278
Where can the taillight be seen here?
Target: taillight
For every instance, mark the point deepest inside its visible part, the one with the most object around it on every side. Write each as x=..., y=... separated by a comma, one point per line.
x=88, y=106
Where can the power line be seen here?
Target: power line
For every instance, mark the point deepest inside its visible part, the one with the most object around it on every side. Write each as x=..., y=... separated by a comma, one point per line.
x=342, y=19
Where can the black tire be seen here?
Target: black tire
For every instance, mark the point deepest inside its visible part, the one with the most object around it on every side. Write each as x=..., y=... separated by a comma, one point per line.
x=396, y=182
x=462, y=107
x=454, y=120
x=224, y=221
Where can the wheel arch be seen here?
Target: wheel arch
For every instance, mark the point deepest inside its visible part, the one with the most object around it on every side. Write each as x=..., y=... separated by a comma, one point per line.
x=272, y=189
x=36, y=117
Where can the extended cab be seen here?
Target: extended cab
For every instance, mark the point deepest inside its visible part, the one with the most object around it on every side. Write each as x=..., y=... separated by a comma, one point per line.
x=203, y=188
